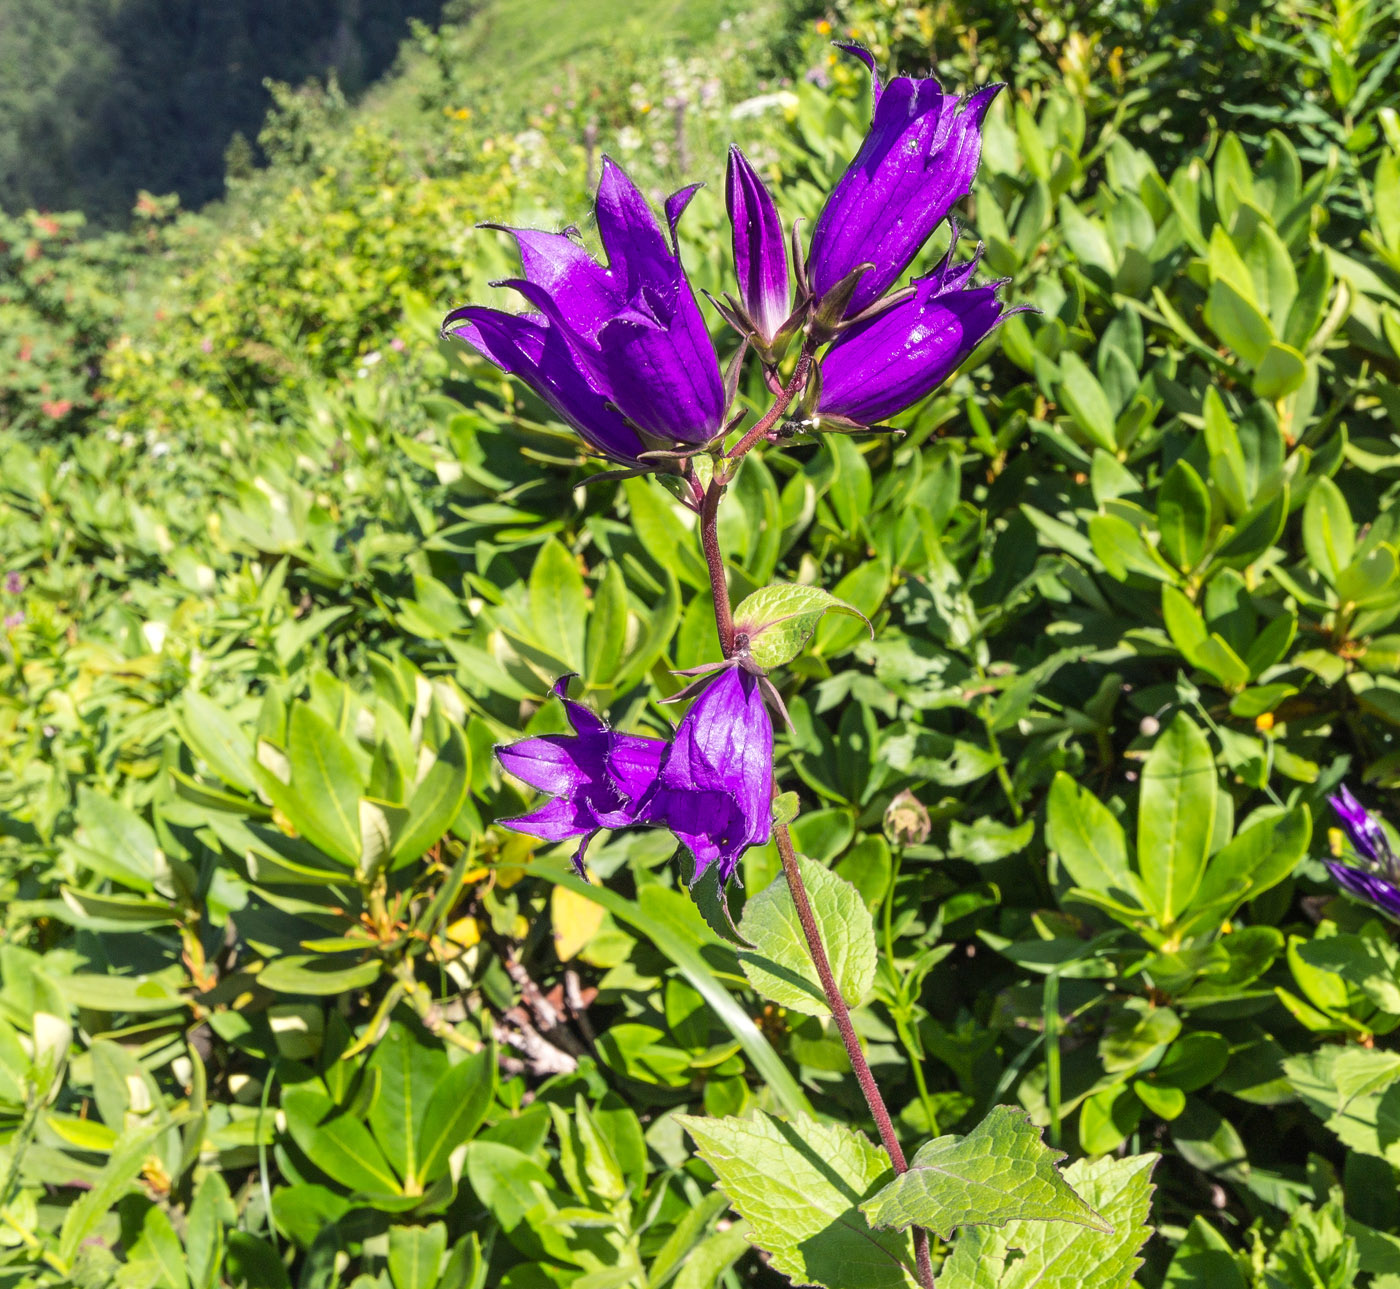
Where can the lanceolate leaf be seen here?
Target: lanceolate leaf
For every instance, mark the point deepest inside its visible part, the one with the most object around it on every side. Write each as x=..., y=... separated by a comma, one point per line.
x=798, y=1185
x=1062, y=1255
x=1000, y=1172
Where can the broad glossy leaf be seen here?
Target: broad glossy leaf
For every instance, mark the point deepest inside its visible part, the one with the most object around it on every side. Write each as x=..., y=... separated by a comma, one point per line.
x=454, y=1111
x=415, y=1255
x=1176, y=816
x=1184, y=516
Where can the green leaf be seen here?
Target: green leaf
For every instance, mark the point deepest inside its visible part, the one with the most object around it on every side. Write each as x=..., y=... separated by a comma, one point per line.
x=1000, y=1172
x=437, y=800
x=410, y=1066
x=1060, y=1255
x=1238, y=322
x=1366, y=961
x=118, y=1176
x=115, y=842
x=779, y=620
x=322, y=797
x=318, y=974
x=780, y=966
x=158, y=1247
x=1204, y=1260
x=337, y=1143
x=1176, y=816
x=658, y=918
x=216, y=739
x=1183, y=516
x=1122, y=550
x=799, y=1185
x=415, y=1254
x=1329, y=535
x=454, y=1112
x=1083, y=397
x=1280, y=372
x=559, y=603
x=607, y=628
x=1082, y=831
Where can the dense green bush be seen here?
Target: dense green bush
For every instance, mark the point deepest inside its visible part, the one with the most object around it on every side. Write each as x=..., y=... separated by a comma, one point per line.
x=1137, y=582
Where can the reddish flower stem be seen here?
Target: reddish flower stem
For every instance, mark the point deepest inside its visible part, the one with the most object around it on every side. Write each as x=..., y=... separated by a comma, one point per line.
x=724, y=624
x=784, y=397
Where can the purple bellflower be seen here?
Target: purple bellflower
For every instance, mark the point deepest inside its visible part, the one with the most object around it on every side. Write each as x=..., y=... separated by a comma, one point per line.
x=890, y=361
x=1378, y=883
x=760, y=252
x=714, y=790
x=620, y=352
x=918, y=159
x=595, y=776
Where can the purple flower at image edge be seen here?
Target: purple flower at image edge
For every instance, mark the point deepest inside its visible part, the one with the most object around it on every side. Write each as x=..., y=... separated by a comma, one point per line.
x=891, y=361
x=621, y=352
x=1370, y=887
x=1379, y=885
x=918, y=160
x=595, y=776
x=714, y=789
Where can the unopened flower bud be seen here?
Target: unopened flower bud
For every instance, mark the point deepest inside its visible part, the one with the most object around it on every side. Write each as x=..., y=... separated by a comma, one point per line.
x=906, y=821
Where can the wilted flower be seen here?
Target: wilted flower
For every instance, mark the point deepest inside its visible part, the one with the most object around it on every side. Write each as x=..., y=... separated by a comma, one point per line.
x=760, y=250
x=621, y=353
x=595, y=776
x=714, y=790
x=892, y=360
x=918, y=159
x=907, y=821
x=1378, y=883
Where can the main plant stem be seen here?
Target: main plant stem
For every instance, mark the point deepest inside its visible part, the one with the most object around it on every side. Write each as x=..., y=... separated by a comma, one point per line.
x=724, y=623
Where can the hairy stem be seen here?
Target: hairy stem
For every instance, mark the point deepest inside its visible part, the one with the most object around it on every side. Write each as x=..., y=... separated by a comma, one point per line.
x=724, y=624
x=714, y=560
x=784, y=397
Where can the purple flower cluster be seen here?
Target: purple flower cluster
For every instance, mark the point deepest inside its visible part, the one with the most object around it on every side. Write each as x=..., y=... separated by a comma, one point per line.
x=620, y=351
x=1377, y=879
x=711, y=783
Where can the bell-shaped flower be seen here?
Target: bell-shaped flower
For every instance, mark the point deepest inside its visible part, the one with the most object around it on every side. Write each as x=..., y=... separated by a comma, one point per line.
x=892, y=360
x=714, y=790
x=621, y=351
x=760, y=250
x=917, y=161
x=596, y=777
x=1376, y=880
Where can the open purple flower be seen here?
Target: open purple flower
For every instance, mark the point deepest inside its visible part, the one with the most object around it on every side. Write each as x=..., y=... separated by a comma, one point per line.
x=714, y=790
x=1379, y=882
x=619, y=352
x=918, y=159
x=760, y=251
x=890, y=361
x=596, y=777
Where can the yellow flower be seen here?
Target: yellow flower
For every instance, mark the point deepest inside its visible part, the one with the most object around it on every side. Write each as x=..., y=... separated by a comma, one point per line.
x=1264, y=722
x=823, y=28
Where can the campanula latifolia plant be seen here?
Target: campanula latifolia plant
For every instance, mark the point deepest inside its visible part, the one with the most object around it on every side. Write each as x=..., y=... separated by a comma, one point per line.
x=620, y=350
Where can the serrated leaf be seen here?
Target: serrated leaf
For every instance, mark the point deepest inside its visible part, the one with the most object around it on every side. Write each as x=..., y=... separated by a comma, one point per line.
x=780, y=966
x=799, y=1185
x=1061, y=1255
x=1000, y=1172
x=780, y=619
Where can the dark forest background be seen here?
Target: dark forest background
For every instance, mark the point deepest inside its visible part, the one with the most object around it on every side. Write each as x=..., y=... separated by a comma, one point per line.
x=102, y=98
